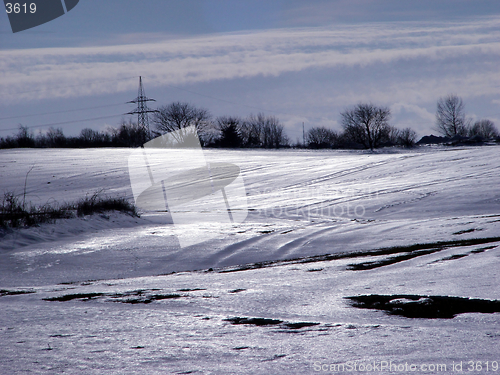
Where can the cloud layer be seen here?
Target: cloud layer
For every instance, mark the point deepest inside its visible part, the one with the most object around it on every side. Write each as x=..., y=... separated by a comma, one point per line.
x=402, y=64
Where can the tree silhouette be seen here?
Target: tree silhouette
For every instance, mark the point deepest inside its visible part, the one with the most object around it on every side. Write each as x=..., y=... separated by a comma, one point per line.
x=229, y=128
x=450, y=116
x=177, y=116
x=366, y=124
x=484, y=128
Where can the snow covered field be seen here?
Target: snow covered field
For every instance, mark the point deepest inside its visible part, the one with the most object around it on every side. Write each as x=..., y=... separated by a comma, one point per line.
x=126, y=298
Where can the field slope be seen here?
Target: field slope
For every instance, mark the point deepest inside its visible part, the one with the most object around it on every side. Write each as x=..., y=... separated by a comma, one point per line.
x=113, y=293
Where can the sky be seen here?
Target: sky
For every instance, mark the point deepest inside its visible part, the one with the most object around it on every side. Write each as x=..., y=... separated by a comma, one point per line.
x=301, y=61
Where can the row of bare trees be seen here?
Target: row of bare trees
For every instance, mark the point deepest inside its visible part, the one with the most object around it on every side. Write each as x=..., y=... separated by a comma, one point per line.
x=128, y=134
x=364, y=125
x=226, y=131
x=452, y=121
x=367, y=125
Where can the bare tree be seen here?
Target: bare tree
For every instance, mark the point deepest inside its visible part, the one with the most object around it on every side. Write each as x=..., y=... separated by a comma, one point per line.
x=263, y=131
x=129, y=134
x=177, y=116
x=25, y=137
x=366, y=124
x=246, y=133
x=393, y=135
x=450, y=116
x=252, y=130
x=89, y=136
x=276, y=133
x=406, y=137
x=321, y=137
x=484, y=128
x=55, y=137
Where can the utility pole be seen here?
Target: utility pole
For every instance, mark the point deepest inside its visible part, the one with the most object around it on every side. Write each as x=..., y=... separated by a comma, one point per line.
x=142, y=111
x=303, y=135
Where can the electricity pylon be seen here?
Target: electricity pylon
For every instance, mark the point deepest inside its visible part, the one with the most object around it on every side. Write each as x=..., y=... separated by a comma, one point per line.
x=142, y=110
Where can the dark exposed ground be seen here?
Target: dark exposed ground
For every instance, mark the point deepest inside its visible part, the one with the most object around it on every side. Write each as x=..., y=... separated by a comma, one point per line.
x=430, y=307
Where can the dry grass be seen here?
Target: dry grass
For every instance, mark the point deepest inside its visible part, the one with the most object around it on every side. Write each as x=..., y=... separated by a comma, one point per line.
x=16, y=213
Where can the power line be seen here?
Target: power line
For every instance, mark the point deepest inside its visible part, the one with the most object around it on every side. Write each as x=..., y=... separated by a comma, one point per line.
x=168, y=85
x=68, y=111
x=114, y=105
x=139, y=112
x=66, y=122
x=76, y=85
